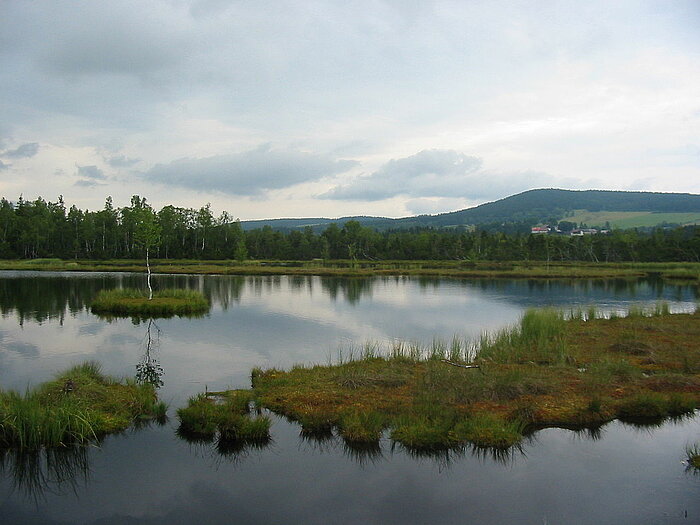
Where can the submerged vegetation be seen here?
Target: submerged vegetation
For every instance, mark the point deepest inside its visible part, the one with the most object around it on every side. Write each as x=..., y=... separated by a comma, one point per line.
x=80, y=406
x=129, y=301
x=574, y=371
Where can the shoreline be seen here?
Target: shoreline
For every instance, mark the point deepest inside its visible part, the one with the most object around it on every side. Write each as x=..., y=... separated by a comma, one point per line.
x=685, y=272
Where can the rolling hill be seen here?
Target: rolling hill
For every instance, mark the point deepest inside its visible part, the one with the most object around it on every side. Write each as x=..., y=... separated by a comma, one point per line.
x=622, y=209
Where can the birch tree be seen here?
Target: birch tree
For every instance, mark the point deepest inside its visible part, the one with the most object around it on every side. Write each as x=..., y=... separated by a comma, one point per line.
x=146, y=235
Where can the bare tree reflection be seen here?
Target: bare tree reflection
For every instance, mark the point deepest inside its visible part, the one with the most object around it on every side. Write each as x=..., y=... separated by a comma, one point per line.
x=148, y=370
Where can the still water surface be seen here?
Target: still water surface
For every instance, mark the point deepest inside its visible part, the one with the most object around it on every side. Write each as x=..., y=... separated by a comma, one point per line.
x=621, y=475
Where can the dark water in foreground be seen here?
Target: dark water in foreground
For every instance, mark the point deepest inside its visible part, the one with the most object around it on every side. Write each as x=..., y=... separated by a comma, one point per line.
x=621, y=475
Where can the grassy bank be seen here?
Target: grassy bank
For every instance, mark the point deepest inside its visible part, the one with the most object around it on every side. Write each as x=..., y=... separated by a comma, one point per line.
x=470, y=269
x=79, y=406
x=547, y=371
x=129, y=301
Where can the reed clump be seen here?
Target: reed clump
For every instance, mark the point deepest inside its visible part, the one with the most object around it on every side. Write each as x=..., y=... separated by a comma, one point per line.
x=539, y=338
x=80, y=406
x=130, y=301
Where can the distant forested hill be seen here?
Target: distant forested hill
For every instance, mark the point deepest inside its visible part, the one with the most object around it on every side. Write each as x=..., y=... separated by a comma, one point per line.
x=533, y=206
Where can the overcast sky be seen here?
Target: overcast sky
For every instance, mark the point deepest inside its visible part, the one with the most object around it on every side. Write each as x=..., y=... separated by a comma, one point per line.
x=330, y=108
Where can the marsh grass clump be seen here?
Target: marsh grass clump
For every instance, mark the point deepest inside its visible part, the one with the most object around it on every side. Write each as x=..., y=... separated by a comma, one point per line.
x=382, y=373
x=692, y=454
x=227, y=414
x=678, y=404
x=77, y=407
x=539, y=338
x=611, y=371
x=423, y=432
x=592, y=313
x=662, y=308
x=361, y=427
x=643, y=406
x=130, y=301
x=488, y=430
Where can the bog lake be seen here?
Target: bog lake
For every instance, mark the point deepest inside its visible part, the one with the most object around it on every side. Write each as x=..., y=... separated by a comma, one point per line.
x=619, y=474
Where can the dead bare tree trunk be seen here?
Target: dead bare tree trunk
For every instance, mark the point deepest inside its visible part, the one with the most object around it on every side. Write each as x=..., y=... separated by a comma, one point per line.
x=148, y=268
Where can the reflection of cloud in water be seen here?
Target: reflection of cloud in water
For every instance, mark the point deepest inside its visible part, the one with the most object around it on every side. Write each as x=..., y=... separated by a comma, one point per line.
x=91, y=329
x=25, y=349
x=123, y=339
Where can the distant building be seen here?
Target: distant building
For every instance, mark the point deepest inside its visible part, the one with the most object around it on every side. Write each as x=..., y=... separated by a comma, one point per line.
x=539, y=229
x=580, y=232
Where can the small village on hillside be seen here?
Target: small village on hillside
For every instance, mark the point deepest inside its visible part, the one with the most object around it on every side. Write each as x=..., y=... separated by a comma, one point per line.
x=558, y=230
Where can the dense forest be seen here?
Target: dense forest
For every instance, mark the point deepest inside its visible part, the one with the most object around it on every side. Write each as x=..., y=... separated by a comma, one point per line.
x=40, y=229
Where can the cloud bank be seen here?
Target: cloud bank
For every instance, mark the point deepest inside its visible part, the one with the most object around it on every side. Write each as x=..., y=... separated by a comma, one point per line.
x=251, y=173
x=443, y=174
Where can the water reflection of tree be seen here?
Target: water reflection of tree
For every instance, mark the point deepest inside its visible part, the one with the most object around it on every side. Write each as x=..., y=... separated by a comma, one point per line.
x=54, y=470
x=352, y=288
x=149, y=370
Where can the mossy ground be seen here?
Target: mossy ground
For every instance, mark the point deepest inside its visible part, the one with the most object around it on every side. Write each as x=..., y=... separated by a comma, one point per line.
x=547, y=372
x=79, y=406
x=129, y=301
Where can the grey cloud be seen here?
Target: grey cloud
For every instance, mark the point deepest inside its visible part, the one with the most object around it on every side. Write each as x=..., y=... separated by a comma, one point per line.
x=442, y=174
x=91, y=172
x=429, y=173
x=25, y=349
x=88, y=183
x=24, y=151
x=250, y=173
x=121, y=161
x=3, y=166
x=115, y=39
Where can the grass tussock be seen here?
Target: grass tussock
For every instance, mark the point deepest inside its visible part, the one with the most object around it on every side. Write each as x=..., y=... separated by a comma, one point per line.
x=129, y=301
x=692, y=453
x=539, y=338
x=77, y=407
x=488, y=430
x=550, y=370
x=227, y=415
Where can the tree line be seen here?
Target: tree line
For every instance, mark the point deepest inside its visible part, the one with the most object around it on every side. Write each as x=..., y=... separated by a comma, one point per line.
x=41, y=229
